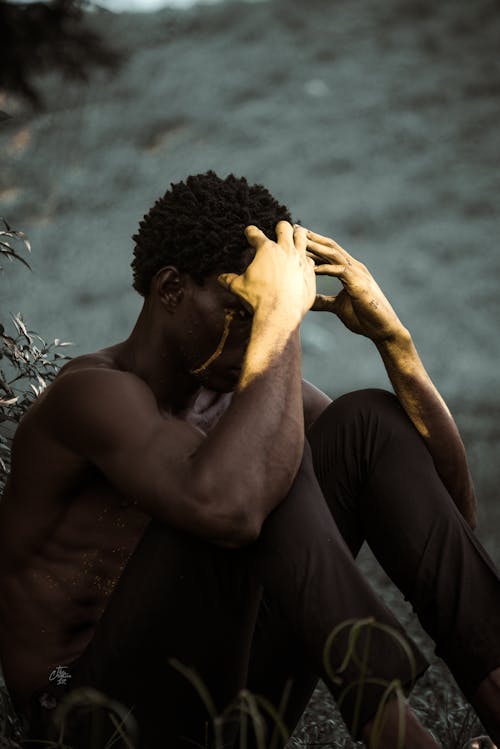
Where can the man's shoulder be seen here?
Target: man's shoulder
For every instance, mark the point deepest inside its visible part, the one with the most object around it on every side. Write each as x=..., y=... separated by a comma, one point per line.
x=90, y=408
x=90, y=391
x=104, y=360
x=97, y=375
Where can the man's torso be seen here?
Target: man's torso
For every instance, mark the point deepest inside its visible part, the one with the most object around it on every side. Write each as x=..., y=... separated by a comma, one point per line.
x=65, y=537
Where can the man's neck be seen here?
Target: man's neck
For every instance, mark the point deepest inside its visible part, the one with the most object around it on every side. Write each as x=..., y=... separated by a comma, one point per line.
x=150, y=355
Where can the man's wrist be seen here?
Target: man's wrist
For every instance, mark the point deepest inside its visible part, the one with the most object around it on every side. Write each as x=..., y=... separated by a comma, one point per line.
x=399, y=339
x=269, y=339
x=278, y=316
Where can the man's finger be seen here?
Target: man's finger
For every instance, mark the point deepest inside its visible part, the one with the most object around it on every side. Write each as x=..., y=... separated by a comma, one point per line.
x=329, y=253
x=226, y=279
x=300, y=237
x=328, y=241
x=255, y=236
x=319, y=256
x=323, y=303
x=284, y=233
x=331, y=270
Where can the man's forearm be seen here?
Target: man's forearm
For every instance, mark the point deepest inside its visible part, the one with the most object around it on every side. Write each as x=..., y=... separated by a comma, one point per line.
x=251, y=457
x=432, y=419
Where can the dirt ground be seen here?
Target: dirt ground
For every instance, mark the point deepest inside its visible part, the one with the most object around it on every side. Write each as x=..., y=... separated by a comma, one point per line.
x=376, y=123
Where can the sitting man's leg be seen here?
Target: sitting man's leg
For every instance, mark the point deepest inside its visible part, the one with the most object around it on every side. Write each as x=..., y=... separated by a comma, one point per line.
x=181, y=597
x=380, y=483
x=178, y=597
x=311, y=587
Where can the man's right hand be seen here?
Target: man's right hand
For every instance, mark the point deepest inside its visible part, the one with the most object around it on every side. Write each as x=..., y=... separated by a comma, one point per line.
x=280, y=277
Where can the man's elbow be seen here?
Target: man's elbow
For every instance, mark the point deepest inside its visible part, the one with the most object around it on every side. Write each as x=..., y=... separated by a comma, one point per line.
x=229, y=516
x=237, y=531
x=226, y=517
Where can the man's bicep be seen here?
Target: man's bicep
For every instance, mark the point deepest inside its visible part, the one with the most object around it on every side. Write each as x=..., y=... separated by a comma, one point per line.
x=112, y=421
x=154, y=468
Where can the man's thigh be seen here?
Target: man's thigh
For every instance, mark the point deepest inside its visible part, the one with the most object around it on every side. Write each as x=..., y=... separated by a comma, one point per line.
x=381, y=485
x=178, y=600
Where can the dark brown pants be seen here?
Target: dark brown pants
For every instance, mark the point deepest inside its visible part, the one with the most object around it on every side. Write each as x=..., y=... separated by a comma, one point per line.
x=259, y=616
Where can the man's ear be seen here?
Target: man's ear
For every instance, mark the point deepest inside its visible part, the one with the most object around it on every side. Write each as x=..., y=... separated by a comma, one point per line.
x=169, y=286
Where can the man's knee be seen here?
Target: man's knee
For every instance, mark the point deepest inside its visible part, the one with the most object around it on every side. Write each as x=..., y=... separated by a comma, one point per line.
x=368, y=400
x=355, y=431
x=360, y=407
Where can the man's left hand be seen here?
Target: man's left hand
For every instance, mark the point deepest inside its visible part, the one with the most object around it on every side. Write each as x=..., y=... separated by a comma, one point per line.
x=361, y=305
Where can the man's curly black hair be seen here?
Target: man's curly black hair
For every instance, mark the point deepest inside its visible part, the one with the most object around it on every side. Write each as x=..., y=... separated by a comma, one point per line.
x=198, y=226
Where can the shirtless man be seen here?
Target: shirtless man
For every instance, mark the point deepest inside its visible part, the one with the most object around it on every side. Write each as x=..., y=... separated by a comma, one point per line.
x=172, y=470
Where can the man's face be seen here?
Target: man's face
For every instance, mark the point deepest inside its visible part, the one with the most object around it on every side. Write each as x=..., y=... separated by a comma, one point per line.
x=217, y=335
